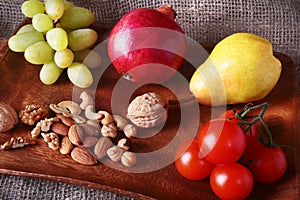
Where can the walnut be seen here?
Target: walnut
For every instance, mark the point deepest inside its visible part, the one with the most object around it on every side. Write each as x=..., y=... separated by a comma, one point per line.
x=36, y=131
x=52, y=139
x=46, y=123
x=43, y=125
x=16, y=143
x=109, y=130
x=8, y=117
x=147, y=110
x=33, y=113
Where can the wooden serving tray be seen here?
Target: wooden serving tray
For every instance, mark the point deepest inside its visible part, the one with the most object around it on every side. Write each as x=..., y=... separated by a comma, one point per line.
x=20, y=85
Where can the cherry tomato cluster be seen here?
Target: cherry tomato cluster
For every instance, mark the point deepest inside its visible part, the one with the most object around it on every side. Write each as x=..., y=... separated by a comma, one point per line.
x=230, y=151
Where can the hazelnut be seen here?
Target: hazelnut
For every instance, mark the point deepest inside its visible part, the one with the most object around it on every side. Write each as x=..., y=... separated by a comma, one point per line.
x=128, y=159
x=130, y=130
x=115, y=153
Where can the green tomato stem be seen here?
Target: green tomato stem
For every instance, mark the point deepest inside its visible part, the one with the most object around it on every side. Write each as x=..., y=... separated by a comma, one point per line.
x=243, y=115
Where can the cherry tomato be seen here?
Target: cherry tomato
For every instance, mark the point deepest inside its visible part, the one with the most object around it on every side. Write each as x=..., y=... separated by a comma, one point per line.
x=189, y=165
x=232, y=181
x=252, y=133
x=268, y=164
x=221, y=141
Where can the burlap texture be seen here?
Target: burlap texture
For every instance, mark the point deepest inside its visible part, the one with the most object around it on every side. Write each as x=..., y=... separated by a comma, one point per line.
x=206, y=21
x=21, y=188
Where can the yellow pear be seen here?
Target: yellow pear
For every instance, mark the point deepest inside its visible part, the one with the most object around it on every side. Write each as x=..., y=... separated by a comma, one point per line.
x=240, y=69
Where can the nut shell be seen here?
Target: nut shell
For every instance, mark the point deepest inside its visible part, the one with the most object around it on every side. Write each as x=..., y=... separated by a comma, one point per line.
x=147, y=110
x=8, y=117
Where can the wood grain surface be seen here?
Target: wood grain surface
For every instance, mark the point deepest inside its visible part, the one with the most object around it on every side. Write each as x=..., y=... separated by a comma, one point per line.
x=20, y=86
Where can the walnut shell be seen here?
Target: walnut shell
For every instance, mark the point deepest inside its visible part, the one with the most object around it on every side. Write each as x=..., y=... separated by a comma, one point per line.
x=147, y=110
x=8, y=117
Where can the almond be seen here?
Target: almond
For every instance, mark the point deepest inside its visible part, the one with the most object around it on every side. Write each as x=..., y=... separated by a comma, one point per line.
x=75, y=135
x=60, y=128
x=102, y=146
x=90, y=130
x=65, y=120
x=83, y=156
x=66, y=146
x=89, y=141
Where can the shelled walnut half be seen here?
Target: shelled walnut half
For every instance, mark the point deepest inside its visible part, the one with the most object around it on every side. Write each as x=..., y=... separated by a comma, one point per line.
x=16, y=142
x=33, y=113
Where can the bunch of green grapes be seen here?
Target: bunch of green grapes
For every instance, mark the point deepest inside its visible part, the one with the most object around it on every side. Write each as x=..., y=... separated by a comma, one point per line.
x=58, y=38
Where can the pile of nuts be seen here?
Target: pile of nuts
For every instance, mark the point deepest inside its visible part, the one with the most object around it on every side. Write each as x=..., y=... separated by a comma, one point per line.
x=78, y=130
x=86, y=135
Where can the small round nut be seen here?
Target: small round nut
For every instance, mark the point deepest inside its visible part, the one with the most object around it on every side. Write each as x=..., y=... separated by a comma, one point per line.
x=115, y=153
x=130, y=130
x=128, y=159
x=8, y=117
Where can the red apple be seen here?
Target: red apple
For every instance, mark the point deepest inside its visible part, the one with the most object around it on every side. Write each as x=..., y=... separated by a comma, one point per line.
x=147, y=45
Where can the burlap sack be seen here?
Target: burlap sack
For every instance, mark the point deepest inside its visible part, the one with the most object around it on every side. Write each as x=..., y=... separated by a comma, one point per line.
x=206, y=21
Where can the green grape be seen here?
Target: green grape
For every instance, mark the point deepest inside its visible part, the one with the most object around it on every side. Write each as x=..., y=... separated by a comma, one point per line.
x=50, y=72
x=57, y=39
x=64, y=58
x=42, y=22
x=39, y=53
x=25, y=28
x=57, y=25
x=54, y=8
x=68, y=5
x=80, y=75
x=88, y=57
x=32, y=7
x=77, y=17
x=21, y=41
x=82, y=38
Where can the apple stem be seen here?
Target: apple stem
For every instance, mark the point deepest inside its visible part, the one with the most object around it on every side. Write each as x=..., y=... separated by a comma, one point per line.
x=167, y=10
